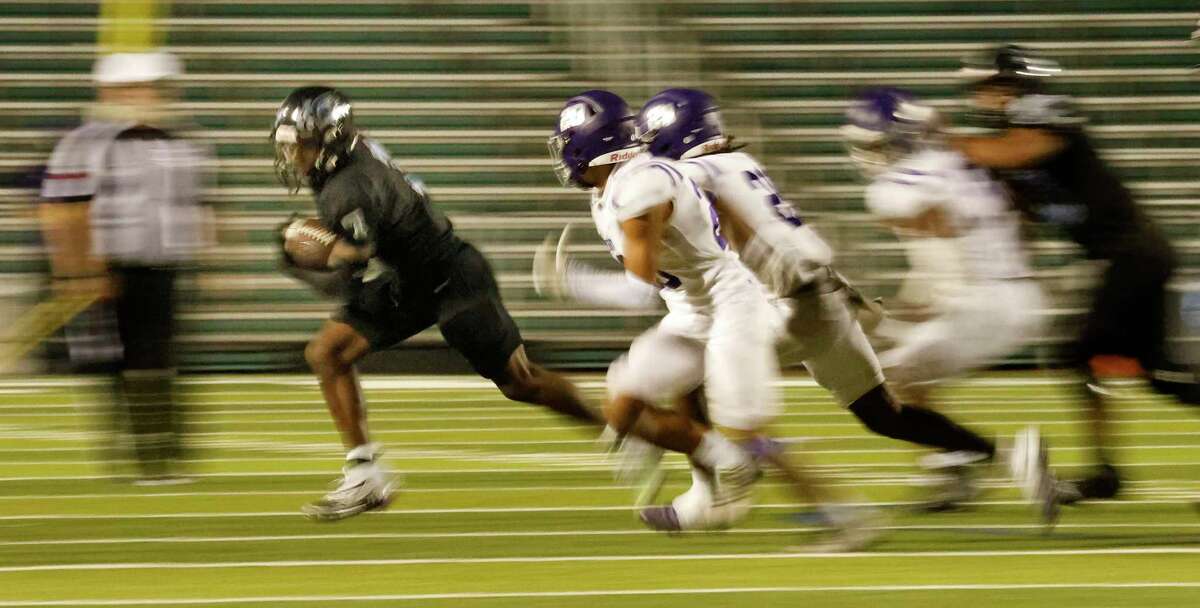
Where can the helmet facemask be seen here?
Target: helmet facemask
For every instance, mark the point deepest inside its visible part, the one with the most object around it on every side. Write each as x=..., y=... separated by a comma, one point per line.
x=555, y=143
x=871, y=155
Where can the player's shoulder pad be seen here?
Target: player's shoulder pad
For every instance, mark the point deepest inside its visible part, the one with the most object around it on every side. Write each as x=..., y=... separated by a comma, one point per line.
x=647, y=185
x=711, y=169
x=1048, y=111
x=408, y=183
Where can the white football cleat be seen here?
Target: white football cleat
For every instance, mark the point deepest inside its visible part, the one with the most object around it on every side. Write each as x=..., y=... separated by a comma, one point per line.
x=363, y=487
x=1029, y=464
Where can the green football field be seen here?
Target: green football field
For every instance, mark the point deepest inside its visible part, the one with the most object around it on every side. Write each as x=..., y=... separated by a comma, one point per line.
x=504, y=505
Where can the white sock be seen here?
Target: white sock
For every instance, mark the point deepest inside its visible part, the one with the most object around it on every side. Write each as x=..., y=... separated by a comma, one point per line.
x=366, y=451
x=717, y=451
x=701, y=481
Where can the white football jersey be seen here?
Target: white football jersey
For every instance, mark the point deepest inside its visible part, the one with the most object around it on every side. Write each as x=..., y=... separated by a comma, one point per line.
x=739, y=182
x=694, y=260
x=987, y=228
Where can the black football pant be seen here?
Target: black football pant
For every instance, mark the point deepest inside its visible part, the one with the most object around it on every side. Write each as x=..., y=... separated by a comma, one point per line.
x=145, y=311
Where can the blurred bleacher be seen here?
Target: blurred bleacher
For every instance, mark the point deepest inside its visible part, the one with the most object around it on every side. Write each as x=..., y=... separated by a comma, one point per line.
x=465, y=92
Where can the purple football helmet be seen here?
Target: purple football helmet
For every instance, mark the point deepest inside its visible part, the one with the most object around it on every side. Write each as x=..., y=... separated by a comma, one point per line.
x=884, y=124
x=681, y=123
x=594, y=128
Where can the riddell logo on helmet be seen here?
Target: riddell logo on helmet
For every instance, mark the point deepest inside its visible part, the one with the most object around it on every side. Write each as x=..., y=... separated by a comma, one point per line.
x=617, y=157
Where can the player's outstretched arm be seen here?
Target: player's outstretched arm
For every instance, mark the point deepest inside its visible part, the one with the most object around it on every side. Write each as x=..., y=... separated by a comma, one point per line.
x=558, y=276
x=1015, y=149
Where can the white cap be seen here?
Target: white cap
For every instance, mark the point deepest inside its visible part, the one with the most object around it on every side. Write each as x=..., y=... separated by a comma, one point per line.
x=135, y=68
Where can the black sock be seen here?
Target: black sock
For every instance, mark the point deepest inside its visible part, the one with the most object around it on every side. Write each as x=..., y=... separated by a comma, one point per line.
x=931, y=428
x=918, y=425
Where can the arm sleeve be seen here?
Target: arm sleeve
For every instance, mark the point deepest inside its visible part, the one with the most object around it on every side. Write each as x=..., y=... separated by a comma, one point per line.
x=609, y=288
x=72, y=173
x=648, y=187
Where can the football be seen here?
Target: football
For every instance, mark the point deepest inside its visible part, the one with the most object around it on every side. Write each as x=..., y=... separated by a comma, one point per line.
x=309, y=243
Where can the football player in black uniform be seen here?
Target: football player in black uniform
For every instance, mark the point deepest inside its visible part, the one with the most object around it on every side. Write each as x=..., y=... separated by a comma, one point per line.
x=1044, y=156
x=399, y=268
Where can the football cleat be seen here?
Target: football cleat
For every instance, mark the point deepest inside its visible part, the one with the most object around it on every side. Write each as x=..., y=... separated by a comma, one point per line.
x=850, y=529
x=734, y=493
x=363, y=487
x=663, y=518
x=1029, y=464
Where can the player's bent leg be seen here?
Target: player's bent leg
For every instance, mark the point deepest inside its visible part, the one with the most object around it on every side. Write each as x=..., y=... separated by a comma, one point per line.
x=331, y=355
x=475, y=322
x=662, y=366
x=528, y=382
x=879, y=413
x=365, y=483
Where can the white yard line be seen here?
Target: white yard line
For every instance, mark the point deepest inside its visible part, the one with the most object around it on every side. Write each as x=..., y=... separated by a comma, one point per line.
x=886, y=479
x=334, y=446
x=538, y=559
x=11, y=431
x=320, y=416
x=401, y=454
x=478, y=510
x=562, y=533
x=468, y=382
x=537, y=470
x=902, y=480
x=484, y=595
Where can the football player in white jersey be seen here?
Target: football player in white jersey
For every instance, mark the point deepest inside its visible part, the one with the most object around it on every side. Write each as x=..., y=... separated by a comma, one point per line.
x=814, y=323
x=922, y=189
x=663, y=230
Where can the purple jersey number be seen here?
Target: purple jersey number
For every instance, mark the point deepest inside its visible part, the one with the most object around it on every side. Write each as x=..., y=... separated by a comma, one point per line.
x=708, y=197
x=759, y=181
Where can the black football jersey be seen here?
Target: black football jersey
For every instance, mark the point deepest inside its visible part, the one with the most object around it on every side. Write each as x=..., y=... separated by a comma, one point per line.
x=371, y=201
x=1075, y=189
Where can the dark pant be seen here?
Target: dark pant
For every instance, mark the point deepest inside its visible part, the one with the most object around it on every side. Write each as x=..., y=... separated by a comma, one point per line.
x=145, y=312
x=466, y=306
x=1127, y=317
